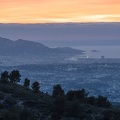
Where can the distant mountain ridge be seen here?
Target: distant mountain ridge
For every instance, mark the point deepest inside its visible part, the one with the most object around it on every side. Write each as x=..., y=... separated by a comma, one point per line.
x=20, y=46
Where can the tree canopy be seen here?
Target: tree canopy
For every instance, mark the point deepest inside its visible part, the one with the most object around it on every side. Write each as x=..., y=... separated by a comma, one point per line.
x=36, y=86
x=4, y=76
x=26, y=82
x=14, y=76
x=57, y=90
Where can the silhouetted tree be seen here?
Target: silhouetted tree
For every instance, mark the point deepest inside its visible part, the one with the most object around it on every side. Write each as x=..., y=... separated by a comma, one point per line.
x=57, y=90
x=27, y=82
x=77, y=94
x=4, y=76
x=36, y=86
x=14, y=76
x=92, y=100
x=103, y=102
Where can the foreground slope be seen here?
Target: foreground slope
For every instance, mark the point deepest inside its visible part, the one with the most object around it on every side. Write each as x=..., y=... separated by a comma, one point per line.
x=20, y=103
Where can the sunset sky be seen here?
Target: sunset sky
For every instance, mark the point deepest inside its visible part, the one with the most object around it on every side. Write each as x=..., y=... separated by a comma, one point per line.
x=59, y=11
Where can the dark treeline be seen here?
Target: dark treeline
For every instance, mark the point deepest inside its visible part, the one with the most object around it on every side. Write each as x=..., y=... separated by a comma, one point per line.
x=61, y=104
x=14, y=77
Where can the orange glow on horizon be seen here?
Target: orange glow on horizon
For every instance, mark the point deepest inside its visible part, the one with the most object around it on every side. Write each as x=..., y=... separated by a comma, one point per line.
x=50, y=11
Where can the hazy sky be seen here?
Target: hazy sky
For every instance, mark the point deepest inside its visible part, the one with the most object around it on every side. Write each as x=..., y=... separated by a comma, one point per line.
x=47, y=11
x=64, y=34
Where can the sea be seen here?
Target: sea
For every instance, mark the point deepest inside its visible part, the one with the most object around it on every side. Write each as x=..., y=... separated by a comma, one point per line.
x=96, y=51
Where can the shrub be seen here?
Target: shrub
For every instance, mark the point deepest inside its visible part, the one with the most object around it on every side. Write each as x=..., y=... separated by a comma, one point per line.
x=36, y=87
x=26, y=83
x=77, y=94
x=103, y=102
x=92, y=100
x=57, y=90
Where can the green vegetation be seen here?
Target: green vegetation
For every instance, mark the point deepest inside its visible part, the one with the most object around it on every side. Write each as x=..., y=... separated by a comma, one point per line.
x=19, y=103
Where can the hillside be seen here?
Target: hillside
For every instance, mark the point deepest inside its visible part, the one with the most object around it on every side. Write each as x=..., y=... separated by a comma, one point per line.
x=20, y=103
x=9, y=47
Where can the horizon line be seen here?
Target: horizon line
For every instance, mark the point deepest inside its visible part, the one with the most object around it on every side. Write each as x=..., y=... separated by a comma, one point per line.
x=62, y=23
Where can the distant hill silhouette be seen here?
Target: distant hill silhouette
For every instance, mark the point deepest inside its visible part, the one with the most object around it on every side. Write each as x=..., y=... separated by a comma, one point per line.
x=9, y=47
